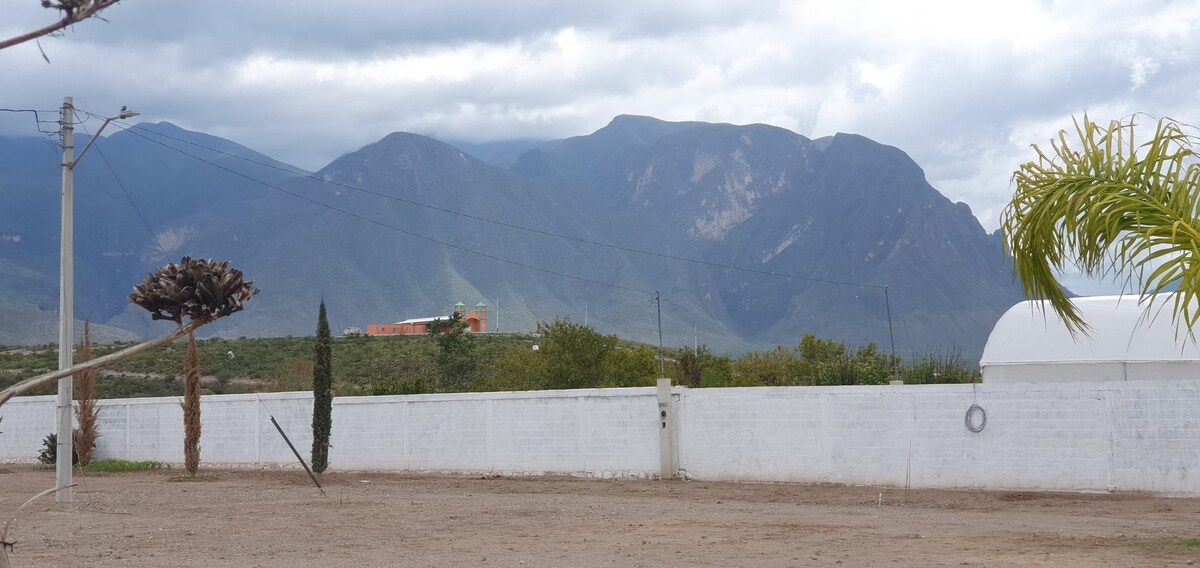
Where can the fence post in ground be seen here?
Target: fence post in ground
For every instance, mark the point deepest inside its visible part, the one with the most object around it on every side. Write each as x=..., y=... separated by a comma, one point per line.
x=665, y=451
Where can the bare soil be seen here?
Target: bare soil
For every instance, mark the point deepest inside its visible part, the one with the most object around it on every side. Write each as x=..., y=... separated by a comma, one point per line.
x=276, y=518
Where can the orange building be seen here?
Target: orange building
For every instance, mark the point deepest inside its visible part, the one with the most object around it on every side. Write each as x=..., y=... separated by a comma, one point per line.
x=476, y=322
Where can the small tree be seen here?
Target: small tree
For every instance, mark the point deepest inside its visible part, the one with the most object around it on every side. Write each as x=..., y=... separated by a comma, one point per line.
x=517, y=369
x=86, y=411
x=456, y=357
x=574, y=354
x=202, y=290
x=322, y=422
x=631, y=366
x=770, y=368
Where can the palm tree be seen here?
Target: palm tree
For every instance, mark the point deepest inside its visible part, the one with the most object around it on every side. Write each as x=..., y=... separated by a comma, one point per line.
x=1109, y=204
x=201, y=290
x=215, y=291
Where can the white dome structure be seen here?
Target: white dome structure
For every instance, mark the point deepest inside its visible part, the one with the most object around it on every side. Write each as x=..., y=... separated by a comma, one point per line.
x=1030, y=343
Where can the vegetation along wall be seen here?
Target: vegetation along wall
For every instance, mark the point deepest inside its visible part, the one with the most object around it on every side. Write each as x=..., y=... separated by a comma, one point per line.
x=1142, y=435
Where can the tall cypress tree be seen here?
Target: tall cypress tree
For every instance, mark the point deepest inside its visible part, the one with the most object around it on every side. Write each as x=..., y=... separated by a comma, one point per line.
x=322, y=394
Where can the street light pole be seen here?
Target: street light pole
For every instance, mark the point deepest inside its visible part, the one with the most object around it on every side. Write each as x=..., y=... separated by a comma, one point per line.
x=66, y=308
x=63, y=473
x=662, y=359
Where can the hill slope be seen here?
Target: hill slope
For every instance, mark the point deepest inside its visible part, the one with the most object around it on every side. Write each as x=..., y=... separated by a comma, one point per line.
x=398, y=229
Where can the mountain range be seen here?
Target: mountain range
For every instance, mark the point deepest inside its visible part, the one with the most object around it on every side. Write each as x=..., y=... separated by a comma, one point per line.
x=752, y=235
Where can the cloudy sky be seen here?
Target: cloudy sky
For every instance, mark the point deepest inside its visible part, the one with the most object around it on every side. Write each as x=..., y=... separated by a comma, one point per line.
x=963, y=86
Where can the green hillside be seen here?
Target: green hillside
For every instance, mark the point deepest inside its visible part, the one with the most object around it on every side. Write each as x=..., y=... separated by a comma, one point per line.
x=569, y=355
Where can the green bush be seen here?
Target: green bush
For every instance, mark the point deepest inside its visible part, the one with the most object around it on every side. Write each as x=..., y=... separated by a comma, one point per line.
x=518, y=369
x=49, y=453
x=399, y=386
x=631, y=366
x=939, y=367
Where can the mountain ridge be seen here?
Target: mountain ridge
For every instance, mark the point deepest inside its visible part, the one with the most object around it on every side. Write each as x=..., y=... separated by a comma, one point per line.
x=841, y=208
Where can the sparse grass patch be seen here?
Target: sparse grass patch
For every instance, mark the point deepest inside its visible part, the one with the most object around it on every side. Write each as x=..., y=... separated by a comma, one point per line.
x=113, y=466
x=1190, y=543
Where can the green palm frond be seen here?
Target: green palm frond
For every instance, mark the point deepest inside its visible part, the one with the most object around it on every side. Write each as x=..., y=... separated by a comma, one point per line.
x=1109, y=205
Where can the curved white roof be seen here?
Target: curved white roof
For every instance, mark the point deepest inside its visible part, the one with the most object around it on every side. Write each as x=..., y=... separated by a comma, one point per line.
x=1122, y=330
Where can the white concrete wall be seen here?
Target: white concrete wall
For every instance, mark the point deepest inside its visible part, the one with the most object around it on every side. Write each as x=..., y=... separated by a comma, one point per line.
x=1142, y=435
x=1071, y=436
x=594, y=432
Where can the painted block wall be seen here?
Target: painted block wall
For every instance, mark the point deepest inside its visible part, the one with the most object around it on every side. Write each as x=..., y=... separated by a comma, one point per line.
x=1142, y=435
x=594, y=432
x=1063, y=436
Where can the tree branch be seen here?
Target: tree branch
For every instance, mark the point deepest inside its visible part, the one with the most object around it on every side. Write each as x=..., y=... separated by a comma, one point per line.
x=74, y=15
x=95, y=363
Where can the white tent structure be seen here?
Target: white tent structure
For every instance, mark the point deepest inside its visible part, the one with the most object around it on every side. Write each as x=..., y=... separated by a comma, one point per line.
x=1126, y=342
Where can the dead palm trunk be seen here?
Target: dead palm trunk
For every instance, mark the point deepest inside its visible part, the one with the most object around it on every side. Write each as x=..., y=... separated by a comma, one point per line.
x=191, y=408
x=202, y=290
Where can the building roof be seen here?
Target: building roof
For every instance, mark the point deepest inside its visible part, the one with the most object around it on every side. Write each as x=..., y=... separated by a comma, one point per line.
x=421, y=320
x=1121, y=330
x=1125, y=342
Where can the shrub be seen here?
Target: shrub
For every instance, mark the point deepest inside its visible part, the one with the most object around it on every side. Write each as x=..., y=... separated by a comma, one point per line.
x=518, y=369
x=49, y=453
x=573, y=354
x=632, y=366
x=399, y=386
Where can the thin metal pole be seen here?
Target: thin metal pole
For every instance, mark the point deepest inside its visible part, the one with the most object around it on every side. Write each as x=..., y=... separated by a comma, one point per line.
x=662, y=361
x=66, y=309
x=888, y=302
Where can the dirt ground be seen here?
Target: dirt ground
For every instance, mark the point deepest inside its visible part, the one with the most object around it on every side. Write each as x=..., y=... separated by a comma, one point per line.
x=275, y=518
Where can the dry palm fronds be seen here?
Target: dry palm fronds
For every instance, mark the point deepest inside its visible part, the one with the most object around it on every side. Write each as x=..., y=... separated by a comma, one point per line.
x=203, y=290
x=1109, y=205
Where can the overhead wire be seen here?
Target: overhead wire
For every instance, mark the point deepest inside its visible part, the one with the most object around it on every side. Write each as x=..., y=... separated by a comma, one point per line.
x=162, y=249
x=37, y=118
x=483, y=219
x=138, y=131
x=617, y=286
x=713, y=322
x=390, y=226
x=145, y=223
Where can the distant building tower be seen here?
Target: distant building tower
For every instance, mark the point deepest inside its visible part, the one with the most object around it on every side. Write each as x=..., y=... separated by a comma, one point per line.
x=460, y=309
x=481, y=309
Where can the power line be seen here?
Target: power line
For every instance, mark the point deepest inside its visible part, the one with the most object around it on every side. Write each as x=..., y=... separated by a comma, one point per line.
x=121, y=184
x=543, y=232
x=37, y=118
x=135, y=130
x=714, y=323
x=389, y=226
x=161, y=248
x=516, y=263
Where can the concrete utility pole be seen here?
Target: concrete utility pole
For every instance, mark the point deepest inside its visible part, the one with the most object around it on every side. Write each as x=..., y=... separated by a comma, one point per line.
x=662, y=361
x=66, y=307
x=63, y=473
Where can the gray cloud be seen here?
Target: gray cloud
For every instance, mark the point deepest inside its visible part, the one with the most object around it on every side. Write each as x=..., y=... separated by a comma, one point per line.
x=963, y=87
